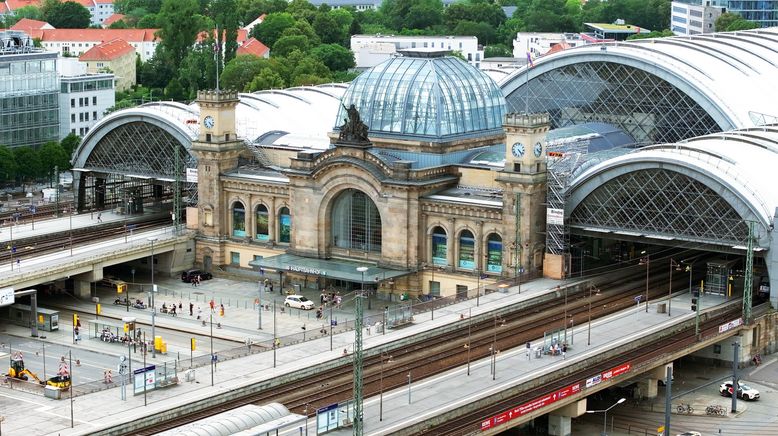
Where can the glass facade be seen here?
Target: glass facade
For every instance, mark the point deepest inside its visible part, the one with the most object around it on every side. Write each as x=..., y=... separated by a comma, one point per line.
x=646, y=107
x=466, y=250
x=29, y=100
x=661, y=202
x=238, y=220
x=428, y=98
x=356, y=223
x=763, y=12
x=284, y=225
x=263, y=228
x=494, y=253
x=439, y=246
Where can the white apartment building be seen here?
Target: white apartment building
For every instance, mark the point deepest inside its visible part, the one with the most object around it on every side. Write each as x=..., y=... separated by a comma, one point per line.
x=75, y=42
x=537, y=43
x=83, y=98
x=98, y=9
x=371, y=50
x=693, y=19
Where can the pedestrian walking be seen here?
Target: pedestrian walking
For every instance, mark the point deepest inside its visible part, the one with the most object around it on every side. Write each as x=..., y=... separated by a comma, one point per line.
x=99, y=217
x=321, y=298
x=529, y=355
x=277, y=343
x=199, y=312
x=191, y=308
x=213, y=305
x=221, y=310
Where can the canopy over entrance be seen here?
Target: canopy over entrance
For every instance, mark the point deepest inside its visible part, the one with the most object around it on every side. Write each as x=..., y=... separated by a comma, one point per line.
x=331, y=269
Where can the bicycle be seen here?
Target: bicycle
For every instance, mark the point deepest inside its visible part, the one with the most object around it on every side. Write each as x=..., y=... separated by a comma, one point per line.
x=685, y=408
x=715, y=410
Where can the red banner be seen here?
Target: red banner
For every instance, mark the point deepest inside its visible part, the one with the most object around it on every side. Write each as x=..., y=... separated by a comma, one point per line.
x=531, y=406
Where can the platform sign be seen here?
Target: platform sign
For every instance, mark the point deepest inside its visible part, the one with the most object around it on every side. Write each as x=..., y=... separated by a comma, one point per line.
x=191, y=175
x=327, y=418
x=722, y=328
x=6, y=296
x=555, y=216
x=149, y=374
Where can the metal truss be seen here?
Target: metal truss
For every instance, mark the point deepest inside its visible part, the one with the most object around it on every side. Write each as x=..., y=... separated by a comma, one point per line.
x=661, y=203
x=641, y=104
x=144, y=151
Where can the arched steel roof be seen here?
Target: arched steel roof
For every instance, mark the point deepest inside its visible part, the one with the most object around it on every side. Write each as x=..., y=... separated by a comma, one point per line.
x=739, y=166
x=732, y=75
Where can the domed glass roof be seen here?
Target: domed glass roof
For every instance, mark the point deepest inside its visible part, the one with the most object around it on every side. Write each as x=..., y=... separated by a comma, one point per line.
x=429, y=98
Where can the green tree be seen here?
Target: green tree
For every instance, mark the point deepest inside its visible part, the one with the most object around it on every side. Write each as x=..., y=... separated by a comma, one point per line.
x=125, y=6
x=497, y=50
x=120, y=24
x=328, y=30
x=334, y=56
x=250, y=10
x=485, y=33
x=287, y=44
x=28, y=164
x=548, y=16
x=150, y=21
x=725, y=19
x=742, y=24
x=225, y=15
x=479, y=11
x=198, y=70
x=155, y=72
x=652, y=34
x=412, y=14
x=506, y=33
x=270, y=30
x=7, y=164
x=302, y=10
x=69, y=15
x=180, y=23
x=52, y=154
x=266, y=79
x=70, y=143
x=30, y=12
x=239, y=72
x=175, y=90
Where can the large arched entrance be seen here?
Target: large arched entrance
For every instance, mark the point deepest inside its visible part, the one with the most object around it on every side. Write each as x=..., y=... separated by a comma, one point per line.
x=355, y=222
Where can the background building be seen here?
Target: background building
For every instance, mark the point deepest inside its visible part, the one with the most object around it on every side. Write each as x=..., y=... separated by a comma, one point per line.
x=618, y=31
x=29, y=114
x=762, y=12
x=115, y=56
x=83, y=97
x=538, y=44
x=75, y=42
x=371, y=50
x=98, y=9
x=691, y=19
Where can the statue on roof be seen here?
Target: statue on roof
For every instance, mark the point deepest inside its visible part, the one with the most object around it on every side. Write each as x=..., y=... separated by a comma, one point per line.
x=353, y=129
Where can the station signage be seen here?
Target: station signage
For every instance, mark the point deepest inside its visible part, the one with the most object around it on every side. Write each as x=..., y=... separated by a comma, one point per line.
x=530, y=406
x=6, y=296
x=722, y=328
x=609, y=374
x=191, y=175
x=555, y=216
x=306, y=270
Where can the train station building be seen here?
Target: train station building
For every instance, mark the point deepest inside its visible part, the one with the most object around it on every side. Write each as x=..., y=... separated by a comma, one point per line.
x=437, y=178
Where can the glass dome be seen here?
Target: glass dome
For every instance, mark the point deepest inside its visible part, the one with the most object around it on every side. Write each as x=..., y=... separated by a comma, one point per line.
x=425, y=96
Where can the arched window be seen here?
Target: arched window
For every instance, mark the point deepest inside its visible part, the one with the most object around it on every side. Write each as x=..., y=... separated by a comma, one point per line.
x=262, y=232
x=439, y=246
x=284, y=225
x=238, y=220
x=494, y=253
x=466, y=250
x=356, y=223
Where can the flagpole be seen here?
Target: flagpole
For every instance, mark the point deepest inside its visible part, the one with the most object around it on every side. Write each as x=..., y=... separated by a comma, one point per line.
x=218, y=57
x=526, y=80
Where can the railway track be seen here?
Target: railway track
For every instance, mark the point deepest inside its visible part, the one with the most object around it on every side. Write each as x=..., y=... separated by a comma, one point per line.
x=468, y=341
x=54, y=242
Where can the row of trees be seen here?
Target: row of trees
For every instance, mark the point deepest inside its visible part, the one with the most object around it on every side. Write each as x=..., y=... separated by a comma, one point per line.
x=61, y=15
x=25, y=164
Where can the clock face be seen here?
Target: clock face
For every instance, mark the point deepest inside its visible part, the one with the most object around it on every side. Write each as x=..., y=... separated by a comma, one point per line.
x=518, y=149
x=208, y=121
x=538, y=149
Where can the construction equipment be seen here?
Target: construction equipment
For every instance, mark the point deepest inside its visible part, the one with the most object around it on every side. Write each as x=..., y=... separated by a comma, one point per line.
x=17, y=370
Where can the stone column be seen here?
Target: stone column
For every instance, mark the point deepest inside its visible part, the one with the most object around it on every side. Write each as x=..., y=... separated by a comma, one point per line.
x=559, y=421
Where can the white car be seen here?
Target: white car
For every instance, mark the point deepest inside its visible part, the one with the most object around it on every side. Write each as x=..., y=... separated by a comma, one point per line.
x=298, y=302
x=744, y=391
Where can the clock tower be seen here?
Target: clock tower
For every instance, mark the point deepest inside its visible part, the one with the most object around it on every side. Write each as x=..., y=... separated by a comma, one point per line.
x=523, y=180
x=217, y=149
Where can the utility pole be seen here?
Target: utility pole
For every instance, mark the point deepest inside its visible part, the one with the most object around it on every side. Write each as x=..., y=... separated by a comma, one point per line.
x=735, y=360
x=177, y=189
x=358, y=422
x=668, y=398
x=749, y=279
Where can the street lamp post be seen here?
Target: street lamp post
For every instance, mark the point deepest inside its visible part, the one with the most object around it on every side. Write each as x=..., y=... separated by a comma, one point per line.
x=469, y=323
x=381, y=388
x=362, y=270
x=153, y=239
x=259, y=306
x=213, y=361
x=647, y=262
x=677, y=266
x=589, y=333
x=605, y=413
x=478, y=289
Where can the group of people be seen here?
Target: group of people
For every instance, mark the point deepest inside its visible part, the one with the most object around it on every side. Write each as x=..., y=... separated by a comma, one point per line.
x=557, y=350
x=195, y=280
x=330, y=299
x=170, y=309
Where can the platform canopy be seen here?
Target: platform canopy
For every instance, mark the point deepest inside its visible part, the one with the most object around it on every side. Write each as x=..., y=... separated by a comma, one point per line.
x=328, y=268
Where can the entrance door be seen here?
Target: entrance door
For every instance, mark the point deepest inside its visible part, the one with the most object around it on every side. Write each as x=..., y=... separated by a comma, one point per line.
x=207, y=263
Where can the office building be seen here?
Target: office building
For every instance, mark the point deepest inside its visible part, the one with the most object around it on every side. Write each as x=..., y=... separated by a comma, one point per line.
x=693, y=19
x=29, y=107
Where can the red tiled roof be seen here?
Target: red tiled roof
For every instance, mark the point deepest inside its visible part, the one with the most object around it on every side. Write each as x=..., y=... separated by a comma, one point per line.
x=28, y=24
x=104, y=1
x=112, y=19
x=13, y=5
x=85, y=3
x=252, y=47
x=89, y=35
x=557, y=48
x=107, y=51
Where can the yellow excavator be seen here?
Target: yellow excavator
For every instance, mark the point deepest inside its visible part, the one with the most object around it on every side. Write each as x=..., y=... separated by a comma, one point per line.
x=17, y=370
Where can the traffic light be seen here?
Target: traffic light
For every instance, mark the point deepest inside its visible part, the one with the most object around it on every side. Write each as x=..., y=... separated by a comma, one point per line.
x=695, y=296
